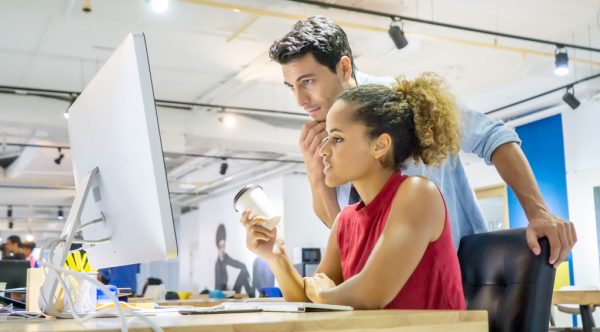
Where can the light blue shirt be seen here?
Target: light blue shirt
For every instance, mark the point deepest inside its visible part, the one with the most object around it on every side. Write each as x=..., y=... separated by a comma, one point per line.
x=480, y=135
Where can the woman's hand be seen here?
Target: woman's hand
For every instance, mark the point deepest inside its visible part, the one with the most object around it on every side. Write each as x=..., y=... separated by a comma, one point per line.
x=259, y=239
x=314, y=287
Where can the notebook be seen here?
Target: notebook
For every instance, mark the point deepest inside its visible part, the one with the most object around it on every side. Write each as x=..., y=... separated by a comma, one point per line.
x=299, y=307
x=241, y=307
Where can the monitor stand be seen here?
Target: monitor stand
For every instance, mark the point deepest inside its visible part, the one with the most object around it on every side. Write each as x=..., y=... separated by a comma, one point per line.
x=59, y=250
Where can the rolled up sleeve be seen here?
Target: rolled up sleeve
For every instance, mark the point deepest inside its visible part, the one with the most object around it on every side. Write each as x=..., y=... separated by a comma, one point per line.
x=482, y=135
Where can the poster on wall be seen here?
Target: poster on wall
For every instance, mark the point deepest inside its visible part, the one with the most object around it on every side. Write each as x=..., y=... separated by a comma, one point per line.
x=261, y=274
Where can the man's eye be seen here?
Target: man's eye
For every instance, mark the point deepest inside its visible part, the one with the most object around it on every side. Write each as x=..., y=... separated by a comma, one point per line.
x=308, y=82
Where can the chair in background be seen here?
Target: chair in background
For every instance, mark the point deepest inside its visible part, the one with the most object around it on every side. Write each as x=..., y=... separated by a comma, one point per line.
x=502, y=275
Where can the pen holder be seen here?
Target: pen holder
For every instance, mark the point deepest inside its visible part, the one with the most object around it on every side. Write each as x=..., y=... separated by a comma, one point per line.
x=83, y=295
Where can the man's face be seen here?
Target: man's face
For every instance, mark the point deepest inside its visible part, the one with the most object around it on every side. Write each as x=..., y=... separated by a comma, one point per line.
x=12, y=246
x=314, y=85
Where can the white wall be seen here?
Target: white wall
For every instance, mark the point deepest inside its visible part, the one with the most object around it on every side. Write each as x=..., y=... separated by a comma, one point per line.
x=198, y=252
x=582, y=157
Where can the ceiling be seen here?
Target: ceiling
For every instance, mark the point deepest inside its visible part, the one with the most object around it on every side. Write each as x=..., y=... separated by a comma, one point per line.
x=206, y=51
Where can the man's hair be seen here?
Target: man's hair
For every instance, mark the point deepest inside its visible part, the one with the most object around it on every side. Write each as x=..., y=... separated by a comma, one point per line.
x=14, y=239
x=317, y=35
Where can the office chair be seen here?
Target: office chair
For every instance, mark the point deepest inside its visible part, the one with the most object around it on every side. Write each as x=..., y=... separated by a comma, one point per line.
x=501, y=274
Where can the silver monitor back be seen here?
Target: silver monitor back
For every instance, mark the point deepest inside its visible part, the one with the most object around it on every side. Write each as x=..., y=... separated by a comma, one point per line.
x=113, y=125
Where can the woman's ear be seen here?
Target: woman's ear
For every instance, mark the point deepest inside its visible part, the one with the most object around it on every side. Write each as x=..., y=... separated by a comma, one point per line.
x=381, y=147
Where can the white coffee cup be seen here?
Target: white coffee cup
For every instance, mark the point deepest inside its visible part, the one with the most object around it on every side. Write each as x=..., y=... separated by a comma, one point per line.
x=253, y=197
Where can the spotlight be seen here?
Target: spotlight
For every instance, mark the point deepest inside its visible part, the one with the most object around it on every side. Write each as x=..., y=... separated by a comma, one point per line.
x=60, y=157
x=29, y=238
x=11, y=225
x=561, y=61
x=227, y=120
x=9, y=212
x=159, y=6
x=61, y=215
x=397, y=34
x=66, y=114
x=570, y=99
x=224, y=167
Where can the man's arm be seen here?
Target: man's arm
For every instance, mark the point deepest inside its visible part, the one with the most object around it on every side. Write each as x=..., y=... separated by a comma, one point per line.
x=325, y=204
x=499, y=145
x=514, y=169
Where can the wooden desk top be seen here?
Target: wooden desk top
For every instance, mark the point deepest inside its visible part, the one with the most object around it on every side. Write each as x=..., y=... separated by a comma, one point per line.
x=399, y=320
x=576, y=297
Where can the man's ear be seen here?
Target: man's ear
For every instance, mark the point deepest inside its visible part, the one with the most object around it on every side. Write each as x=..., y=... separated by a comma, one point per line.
x=345, y=67
x=381, y=147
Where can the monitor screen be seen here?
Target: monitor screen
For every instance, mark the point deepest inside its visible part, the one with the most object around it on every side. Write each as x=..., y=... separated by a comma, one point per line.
x=113, y=126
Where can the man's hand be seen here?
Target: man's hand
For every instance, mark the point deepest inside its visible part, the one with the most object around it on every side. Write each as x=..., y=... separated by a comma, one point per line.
x=310, y=139
x=314, y=286
x=560, y=233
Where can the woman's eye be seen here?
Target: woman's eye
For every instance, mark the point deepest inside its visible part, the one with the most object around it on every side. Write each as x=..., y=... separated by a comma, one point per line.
x=338, y=139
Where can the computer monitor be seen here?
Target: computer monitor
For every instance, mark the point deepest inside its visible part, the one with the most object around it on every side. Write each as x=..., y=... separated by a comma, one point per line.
x=117, y=160
x=14, y=272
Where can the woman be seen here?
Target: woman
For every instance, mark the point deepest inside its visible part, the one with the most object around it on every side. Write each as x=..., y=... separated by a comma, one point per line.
x=393, y=249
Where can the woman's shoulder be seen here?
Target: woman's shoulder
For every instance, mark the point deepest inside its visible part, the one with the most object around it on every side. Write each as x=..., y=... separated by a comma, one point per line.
x=418, y=185
x=418, y=196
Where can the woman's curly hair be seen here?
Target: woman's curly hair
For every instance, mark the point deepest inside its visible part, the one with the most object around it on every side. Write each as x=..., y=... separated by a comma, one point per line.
x=420, y=115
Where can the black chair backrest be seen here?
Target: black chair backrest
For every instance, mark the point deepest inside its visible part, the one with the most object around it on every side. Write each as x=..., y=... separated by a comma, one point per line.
x=501, y=274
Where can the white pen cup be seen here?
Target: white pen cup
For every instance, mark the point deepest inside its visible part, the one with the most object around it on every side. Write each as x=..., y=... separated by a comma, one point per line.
x=253, y=197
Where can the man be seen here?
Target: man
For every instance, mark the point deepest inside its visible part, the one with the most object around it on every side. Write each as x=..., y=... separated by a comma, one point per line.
x=26, y=249
x=13, y=244
x=317, y=65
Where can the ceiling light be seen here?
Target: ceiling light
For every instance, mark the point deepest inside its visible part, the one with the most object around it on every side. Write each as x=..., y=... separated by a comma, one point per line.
x=61, y=214
x=561, y=61
x=159, y=6
x=224, y=167
x=29, y=238
x=570, y=99
x=9, y=212
x=397, y=34
x=60, y=157
x=66, y=114
x=228, y=120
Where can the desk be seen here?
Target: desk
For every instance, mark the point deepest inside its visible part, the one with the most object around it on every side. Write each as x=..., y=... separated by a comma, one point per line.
x=359, y=320
x=586, y=301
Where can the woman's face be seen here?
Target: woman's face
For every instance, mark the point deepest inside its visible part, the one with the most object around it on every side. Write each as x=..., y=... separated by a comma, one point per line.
x=346, y=151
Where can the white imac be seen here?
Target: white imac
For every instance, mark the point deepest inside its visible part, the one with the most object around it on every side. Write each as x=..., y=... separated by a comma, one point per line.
x=121, y=211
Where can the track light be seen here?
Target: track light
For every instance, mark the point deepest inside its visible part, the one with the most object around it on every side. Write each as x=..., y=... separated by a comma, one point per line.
x=60, y=157
x=224, y=167
x=570, y=99
x=397, y=34
x=227, y=120
x=61, y=215
x=561, y=61
x=9, y=212
x=159, y=6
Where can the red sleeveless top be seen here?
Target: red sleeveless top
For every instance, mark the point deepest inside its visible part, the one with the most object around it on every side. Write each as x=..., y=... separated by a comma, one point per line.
x=434, y=284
